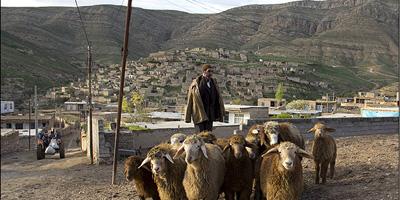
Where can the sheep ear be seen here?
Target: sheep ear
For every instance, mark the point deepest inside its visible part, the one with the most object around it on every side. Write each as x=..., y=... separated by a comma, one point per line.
x=145, y=161
x=330, y=129
x=311, y=130
x=204, y=150
x=271, y=151
x=179, y=152
x=304, y=154
x=226, y=147
x=168, y=157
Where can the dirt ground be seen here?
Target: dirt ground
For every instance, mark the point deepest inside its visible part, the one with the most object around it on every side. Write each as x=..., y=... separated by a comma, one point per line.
x=366, y=169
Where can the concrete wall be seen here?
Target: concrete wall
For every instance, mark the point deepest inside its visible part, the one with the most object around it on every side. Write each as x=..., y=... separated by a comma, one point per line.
x=344, y=126
x=141, y=141
x=14, y=142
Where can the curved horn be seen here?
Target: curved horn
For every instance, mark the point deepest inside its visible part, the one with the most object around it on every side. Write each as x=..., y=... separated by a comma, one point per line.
x=179, y=152
x=311, y=130
x=273, y=150
x=304, y=154
x=226, y=147
x=168, y=157
x=145, y=161
x=204, y=150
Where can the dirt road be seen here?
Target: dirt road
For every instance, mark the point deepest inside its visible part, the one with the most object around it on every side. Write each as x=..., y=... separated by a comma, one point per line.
x=367, y=169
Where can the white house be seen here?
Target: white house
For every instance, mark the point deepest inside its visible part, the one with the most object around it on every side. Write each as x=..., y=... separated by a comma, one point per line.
x=239, y=114
x=7, y=107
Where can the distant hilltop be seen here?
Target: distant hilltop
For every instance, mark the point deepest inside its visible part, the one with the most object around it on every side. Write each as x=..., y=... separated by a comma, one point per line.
x=46, y=46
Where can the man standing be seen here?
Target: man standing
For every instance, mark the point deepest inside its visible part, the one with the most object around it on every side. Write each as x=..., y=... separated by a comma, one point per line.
x=204, y=104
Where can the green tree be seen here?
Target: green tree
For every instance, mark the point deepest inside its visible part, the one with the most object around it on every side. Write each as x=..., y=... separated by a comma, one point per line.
x=137, y=100
x=279, y=92
x=126, y=106
x=236, y=101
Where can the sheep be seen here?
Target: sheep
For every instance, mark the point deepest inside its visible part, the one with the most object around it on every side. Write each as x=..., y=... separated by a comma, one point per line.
x=177, y=138
x=324, y=151
x=239, y=169
x=275, y=133
x=168, y=173
x=142, y=177
x=281, y=173
x=205, y=169
x=253, y=137
x=207, y=137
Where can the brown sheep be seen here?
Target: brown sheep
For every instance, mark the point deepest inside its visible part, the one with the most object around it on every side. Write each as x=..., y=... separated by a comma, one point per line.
x=207, y=137
x=253, y=137
x=168, y=173
x=324, y=151
x=205, y=169
x=281, y=173
x=142, y=178
x=239, y=169
x=275, y=133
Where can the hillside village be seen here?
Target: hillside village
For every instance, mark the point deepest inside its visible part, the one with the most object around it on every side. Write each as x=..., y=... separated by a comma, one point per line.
x=164, y=76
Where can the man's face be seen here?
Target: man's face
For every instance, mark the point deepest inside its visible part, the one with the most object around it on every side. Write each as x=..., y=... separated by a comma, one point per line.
x=208, y=73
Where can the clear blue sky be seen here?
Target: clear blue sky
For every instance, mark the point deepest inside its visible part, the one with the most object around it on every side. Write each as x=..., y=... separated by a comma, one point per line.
x=191, y=6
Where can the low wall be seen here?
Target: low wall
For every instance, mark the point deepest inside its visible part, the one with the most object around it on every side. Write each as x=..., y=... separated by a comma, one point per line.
x=141, y=141
x=14, y=142
x=344, y=126
x=9, y=142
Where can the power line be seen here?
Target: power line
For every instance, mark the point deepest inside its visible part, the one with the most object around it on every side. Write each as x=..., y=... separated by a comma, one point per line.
x=83, y=26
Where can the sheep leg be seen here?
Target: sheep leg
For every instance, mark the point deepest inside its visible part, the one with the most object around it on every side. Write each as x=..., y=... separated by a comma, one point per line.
x=317, y=169
x=245, y=194
x=332, y=169
x=324, y=170
x=229, y=196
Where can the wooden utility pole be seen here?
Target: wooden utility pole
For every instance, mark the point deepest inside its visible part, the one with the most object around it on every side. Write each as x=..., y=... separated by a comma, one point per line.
x=29, y=126
x=121, y=88
x=89, y=62
x=36, y=114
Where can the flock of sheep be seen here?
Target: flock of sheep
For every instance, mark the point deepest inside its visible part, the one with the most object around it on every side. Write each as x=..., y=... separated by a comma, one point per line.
x=201, y=166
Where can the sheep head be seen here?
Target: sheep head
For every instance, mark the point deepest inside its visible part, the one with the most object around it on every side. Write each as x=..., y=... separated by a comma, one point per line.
x=157, y=157
x=131, y=166
x=207, y=137
x=177, y=138
x=289, y=153
x=193, y=146
x=271, y=132
x=320, y=129
x=237, y=144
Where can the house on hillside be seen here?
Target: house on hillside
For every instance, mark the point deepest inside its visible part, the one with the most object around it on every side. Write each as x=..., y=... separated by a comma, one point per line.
x=7, y=107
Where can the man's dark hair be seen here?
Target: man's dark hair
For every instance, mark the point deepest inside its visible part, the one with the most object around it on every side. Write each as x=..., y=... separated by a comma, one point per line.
x=206, y=67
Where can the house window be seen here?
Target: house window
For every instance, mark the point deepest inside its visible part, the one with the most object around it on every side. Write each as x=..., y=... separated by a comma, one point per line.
x=8, y=125
x=272, y=103
x=11, y=106
x=238, y=118
x=32, y=125
x=19, y=126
